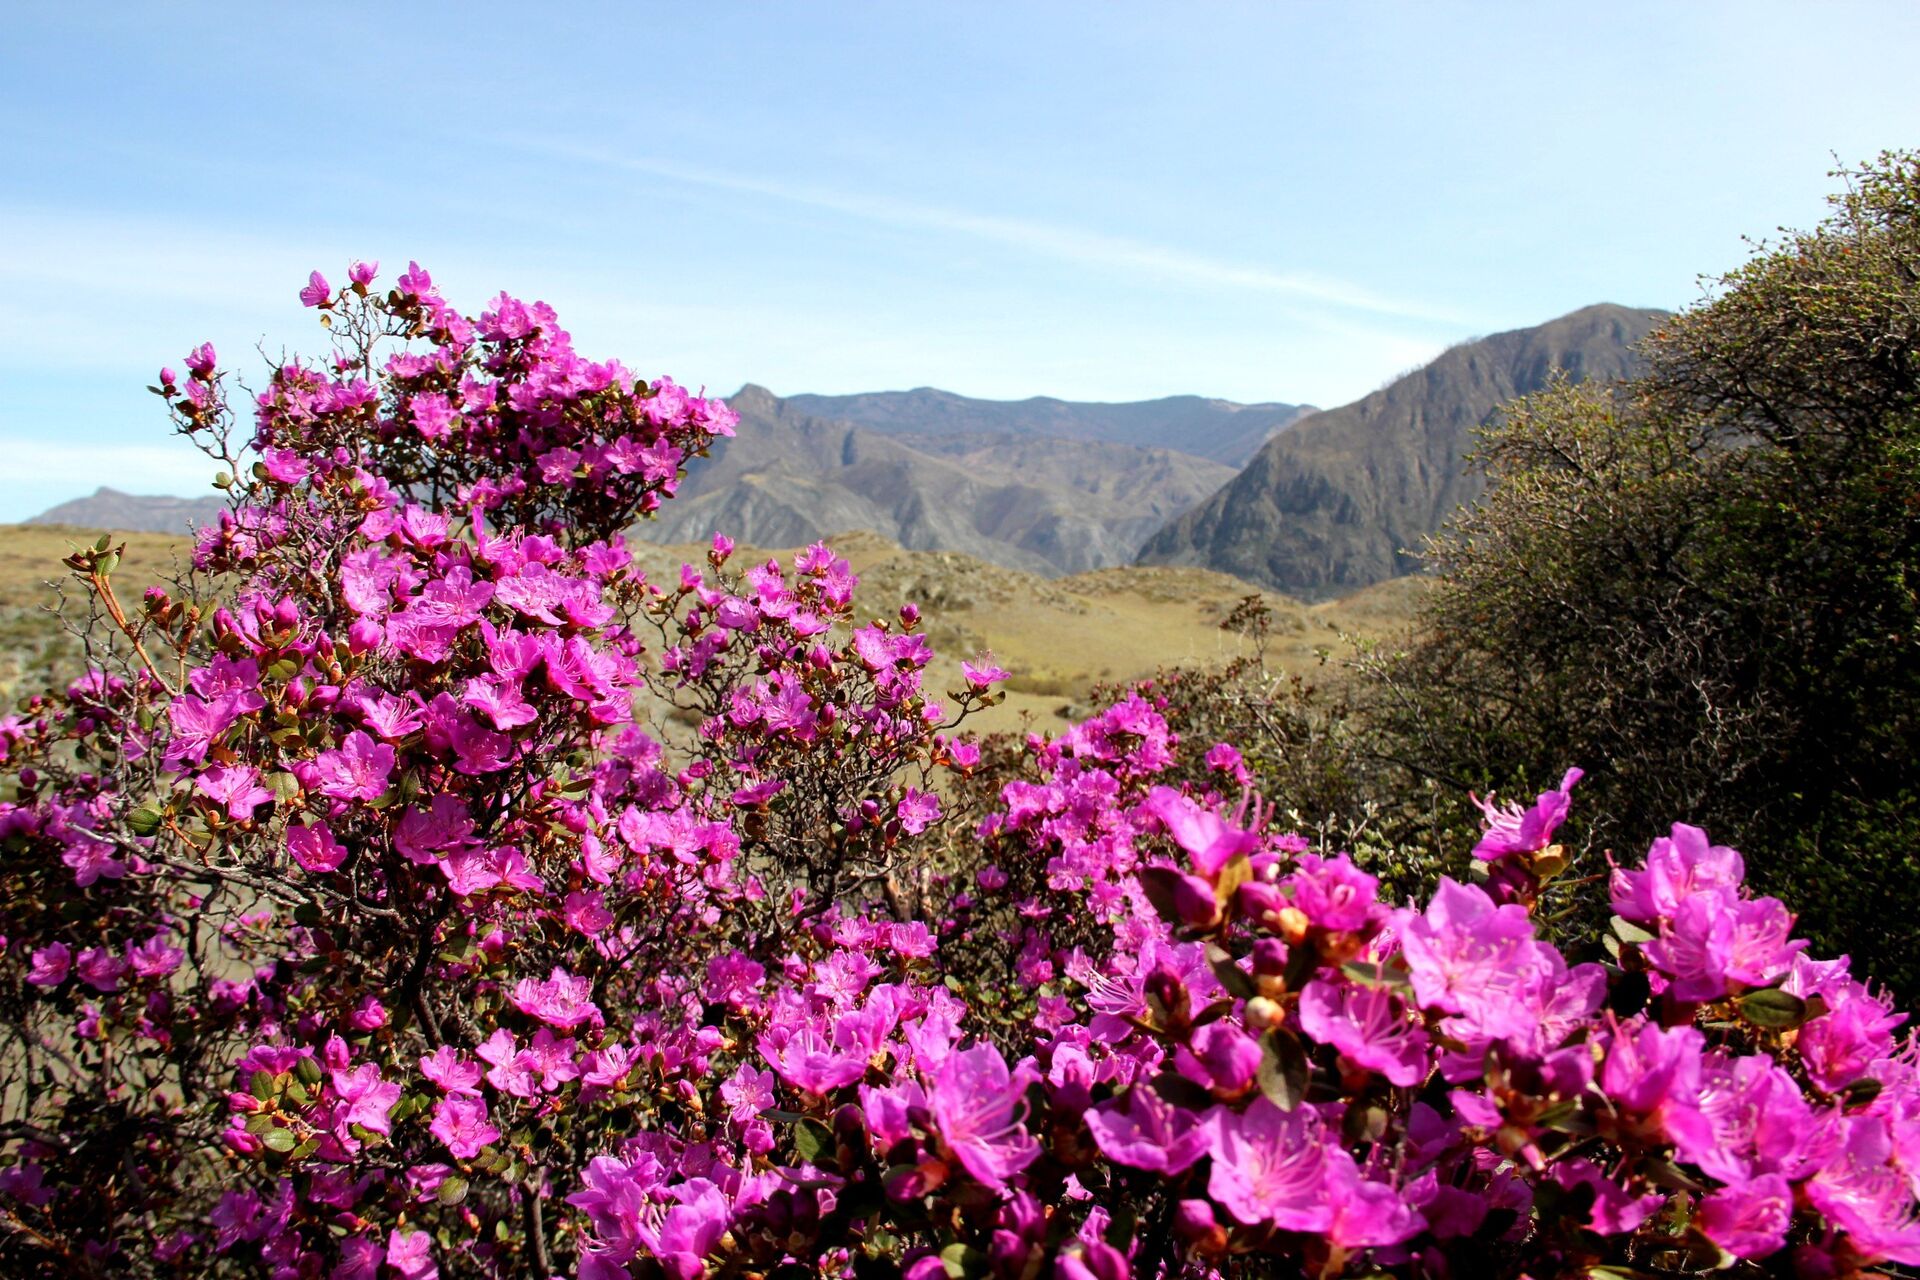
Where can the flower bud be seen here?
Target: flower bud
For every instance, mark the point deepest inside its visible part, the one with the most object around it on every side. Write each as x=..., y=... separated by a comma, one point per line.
x=1293, y=925
x=1194, y=1223
x=1269, y=958
x=1263, y=1013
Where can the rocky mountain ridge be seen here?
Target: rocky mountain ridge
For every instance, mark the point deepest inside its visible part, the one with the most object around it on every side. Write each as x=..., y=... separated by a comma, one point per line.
x=1343, y=498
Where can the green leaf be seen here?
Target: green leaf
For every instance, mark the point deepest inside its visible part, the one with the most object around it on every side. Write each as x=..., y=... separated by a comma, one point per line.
x=1862, y=1091
x=814, y=1142
x=1628, y=931
x=1662, y=1172
x=1180, y=1091
x=308, y=1069
x=262, y=1085
x=1284, y=1069
x=452, y=1191
x=1772, y=1007
x=145, y=820
x=962, y=1260
x=1231, y=975
x=281, y=1140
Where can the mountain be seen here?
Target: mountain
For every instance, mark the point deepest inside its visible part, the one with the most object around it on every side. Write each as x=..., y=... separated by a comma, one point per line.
x=1045, y=503
x=1342, y=499
x=110, y=509
x=1220, y=430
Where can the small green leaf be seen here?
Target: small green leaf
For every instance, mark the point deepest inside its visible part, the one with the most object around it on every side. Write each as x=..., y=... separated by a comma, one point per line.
x=1628, y=931
x=1284, y=1069
x=1231, y=975
x=1774, y=1008
x=962, y=1260
x=263, y=1086
x=281, y=1140
x=145, y=820
x=813, y=1141
x=1181, y=1092
x=452, y=1191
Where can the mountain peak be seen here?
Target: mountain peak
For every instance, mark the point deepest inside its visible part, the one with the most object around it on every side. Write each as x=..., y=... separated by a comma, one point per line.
x=1344, y=499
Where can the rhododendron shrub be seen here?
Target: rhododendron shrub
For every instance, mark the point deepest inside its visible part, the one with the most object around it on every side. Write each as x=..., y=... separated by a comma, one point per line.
x=360, y=921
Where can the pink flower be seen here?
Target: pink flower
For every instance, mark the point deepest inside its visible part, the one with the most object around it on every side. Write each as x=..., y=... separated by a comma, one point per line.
x=1145, y=1131
x=461, y=1123
x=410, y=1254
x=451, y=1072
x=586, y=911
x=235, y=786
x=1654, y=1072
x=1515, y=830
x=1220, y=1056
x=918, y=811
x=1332, y=892
x=808, y=1061
x=1469, y=957
x=357, y=771
x=984, y=675
x=1749, y=1221
x=1369, y=1026
x=362, y=273
x=1615, y=1210
x=1270, y=1166
x=1676, y=868
x=366, y=1096
x=1714, y=938
x=100, y=969
x=562, y=1001
x=312, y=846
x=317, y=291
x=154, y=958
x=747, y=1092
x=978, y=1107
x=50, y=965
x=1202, y=833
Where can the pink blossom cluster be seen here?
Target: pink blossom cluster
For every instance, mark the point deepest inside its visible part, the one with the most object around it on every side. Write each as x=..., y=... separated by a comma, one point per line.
x=420, y=890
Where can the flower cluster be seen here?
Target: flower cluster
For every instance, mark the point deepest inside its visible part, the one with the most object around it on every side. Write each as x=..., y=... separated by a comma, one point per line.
x=418, y=889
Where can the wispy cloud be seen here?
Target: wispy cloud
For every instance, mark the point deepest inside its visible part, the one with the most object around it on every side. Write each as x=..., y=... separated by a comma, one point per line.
x=1067, y=244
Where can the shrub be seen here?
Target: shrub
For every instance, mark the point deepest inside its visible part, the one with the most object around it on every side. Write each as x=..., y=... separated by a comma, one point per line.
x=355, y=928
x=1703, y=583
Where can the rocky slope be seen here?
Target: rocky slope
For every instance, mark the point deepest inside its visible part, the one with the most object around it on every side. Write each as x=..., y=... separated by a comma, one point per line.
x=1343, y=498
x=1044, y=503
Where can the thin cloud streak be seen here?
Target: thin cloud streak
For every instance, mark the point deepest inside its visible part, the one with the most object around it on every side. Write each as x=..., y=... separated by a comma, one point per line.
x=1086, y=248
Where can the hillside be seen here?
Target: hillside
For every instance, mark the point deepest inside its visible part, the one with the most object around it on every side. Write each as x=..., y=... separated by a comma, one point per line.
x=1343, y=498
x=1058, y=636
x=1046, y=504
x=1220, y=430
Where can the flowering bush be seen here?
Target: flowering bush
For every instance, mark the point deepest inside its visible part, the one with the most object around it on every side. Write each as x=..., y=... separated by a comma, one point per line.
x=355, y=925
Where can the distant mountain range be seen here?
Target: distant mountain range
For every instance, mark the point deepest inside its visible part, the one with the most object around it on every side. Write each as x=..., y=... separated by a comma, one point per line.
x=1313, y=503
x=108, y=508
x=1342, y=499
x=1219, y=430
x=1047, y=490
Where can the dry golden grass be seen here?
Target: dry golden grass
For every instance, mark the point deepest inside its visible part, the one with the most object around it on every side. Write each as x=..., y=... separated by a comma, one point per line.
x=1058, y=636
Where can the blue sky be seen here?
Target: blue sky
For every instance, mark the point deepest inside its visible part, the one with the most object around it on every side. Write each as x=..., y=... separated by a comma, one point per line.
x=1103, y=201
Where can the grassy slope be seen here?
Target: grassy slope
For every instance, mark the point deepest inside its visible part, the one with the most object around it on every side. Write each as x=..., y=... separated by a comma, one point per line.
x=1058, y=636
